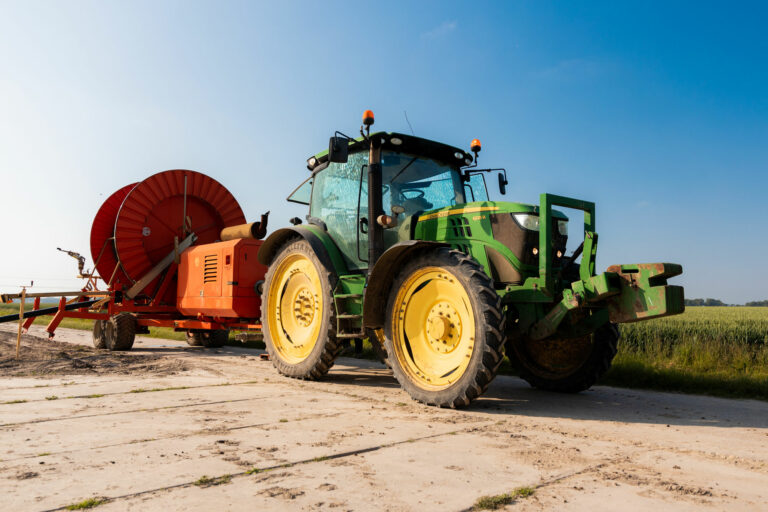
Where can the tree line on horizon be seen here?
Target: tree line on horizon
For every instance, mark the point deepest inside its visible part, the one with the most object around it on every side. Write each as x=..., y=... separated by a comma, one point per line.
x=716, y=302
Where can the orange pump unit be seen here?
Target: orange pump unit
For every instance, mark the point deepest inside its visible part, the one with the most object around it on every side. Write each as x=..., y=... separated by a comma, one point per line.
x=219, y=280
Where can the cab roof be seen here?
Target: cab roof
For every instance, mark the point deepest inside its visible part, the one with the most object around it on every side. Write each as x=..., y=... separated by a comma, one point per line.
x=408, y=144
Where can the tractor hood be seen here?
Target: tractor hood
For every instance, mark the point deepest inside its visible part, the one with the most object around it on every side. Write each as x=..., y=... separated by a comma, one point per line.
x=478, y=210
x=504, y=237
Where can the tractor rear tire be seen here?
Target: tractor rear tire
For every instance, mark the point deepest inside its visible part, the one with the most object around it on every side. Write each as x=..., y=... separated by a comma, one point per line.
x=208, y=339
x=444, y=328
x=564, y=365
x=99, y=328
x=120, y=332
x=298, y=314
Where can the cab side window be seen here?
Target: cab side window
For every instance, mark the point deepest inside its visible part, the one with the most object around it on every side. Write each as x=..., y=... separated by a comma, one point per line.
x=475, y=189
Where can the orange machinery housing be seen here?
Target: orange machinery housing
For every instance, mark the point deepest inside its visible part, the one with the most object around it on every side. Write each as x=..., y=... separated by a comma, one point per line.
x=219, y=280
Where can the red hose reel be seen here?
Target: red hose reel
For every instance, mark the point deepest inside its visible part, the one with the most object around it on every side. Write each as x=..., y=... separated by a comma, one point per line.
x=140, y=224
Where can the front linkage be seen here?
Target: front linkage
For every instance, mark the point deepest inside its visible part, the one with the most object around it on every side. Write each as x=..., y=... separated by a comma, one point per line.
x=621, y=294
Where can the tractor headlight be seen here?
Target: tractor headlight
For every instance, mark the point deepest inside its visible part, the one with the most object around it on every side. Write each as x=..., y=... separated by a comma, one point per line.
x=562, y=227
x=527, y=221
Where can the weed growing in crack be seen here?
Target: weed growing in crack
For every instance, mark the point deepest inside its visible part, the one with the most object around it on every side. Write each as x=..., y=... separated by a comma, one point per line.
x=89, y=503
x=501, y=500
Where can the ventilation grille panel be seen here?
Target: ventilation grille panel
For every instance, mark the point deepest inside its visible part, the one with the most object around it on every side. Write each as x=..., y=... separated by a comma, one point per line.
x=460, y=227
x=211, y=268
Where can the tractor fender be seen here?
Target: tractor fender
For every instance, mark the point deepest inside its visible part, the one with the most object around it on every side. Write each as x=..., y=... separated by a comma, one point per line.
x=319, y=240
x=381, y=279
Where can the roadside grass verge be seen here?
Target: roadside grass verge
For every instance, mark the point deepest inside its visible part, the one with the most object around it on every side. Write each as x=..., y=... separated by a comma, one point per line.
x=718, y=351
x=628, y=372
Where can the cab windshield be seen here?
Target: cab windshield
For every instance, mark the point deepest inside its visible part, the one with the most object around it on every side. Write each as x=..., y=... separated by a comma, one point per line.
x=339, y=196
x=417, y=183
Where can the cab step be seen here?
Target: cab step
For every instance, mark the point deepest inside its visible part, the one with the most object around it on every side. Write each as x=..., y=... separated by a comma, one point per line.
x=349, y=296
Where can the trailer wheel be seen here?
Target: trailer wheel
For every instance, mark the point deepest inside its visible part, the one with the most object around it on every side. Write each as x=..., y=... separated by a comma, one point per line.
x=194, y=339
x=444, y=329
x=99, y=339
x=564, y=365
x=298, y=314
x=120, y=332
x=209, y=339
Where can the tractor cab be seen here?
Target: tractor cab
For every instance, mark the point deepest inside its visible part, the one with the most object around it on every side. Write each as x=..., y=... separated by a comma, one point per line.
x=417, y=176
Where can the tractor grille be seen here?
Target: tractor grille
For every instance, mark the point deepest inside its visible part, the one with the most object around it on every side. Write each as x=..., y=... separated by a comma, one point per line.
x=522, y=242
x=211, y=268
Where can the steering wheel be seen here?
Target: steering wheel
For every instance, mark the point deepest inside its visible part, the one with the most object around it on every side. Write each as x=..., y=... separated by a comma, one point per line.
x=418, y=194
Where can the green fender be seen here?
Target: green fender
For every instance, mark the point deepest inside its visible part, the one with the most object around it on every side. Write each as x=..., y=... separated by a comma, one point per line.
x=318, y=239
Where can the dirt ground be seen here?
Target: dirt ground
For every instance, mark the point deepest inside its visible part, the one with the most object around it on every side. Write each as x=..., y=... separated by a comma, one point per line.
x=170, y=427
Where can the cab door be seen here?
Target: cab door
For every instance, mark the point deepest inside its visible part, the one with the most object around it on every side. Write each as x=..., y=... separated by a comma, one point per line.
x=339, y=201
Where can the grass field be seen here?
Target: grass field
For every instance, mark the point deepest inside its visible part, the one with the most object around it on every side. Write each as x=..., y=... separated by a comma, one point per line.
x=721, y=351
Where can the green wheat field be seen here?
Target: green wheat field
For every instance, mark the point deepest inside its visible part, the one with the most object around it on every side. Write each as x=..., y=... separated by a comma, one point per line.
x=720, y=351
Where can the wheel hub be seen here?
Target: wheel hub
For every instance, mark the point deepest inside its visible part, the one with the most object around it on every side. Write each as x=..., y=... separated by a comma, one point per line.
x=443, y=327
x=304, y=307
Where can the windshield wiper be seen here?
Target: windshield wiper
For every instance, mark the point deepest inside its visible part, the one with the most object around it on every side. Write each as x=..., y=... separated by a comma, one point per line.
x=403, y=169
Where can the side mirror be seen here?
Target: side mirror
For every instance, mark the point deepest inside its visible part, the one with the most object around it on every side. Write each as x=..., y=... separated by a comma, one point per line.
x=502, y=184
x=338, y=150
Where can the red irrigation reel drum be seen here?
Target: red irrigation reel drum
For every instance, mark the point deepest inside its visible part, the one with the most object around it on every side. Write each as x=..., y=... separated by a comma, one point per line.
x=102, y=246
x=162, y=211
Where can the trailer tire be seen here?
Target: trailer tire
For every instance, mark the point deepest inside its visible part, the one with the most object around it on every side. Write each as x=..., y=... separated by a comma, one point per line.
x=120, y=332
x=445, y=348
x=586, y=365
x=99, y=338
x=208, y=339
x=298, y=313
x=194, y=339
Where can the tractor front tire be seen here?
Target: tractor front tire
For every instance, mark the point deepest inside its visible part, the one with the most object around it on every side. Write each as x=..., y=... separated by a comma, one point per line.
x=378, y=349
x=298, y=314
x=444, y=328
x=564, y=365
x=120, y=332
x=208, y=339
x=99, y=332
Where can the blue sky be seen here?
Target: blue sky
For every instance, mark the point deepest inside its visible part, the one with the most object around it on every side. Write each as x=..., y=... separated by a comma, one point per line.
x=657, y=113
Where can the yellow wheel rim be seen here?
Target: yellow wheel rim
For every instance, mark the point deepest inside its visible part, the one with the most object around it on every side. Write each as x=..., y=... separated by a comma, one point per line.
x=295, y=308
x=433, y=328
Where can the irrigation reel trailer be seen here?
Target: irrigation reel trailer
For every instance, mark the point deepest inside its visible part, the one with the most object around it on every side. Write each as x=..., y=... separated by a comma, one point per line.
x=175, y=251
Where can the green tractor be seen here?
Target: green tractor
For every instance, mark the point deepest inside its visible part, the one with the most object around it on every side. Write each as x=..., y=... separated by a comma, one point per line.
x=403, y=246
